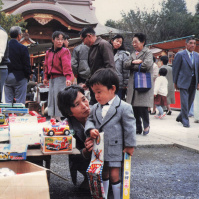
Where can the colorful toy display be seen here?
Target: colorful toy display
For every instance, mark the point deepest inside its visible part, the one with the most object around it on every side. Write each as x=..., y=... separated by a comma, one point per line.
x=57, y=144
x=126, y=176
x=95, y=168
x=13, y=152
x=57, y=128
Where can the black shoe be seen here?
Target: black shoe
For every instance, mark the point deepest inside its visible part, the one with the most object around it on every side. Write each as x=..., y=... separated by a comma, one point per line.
x=139, y=131
x=153, y=113
x=169, y=113
x=178, y=120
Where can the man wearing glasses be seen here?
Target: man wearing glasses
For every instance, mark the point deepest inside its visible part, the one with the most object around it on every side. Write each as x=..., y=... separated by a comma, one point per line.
x=100, y=54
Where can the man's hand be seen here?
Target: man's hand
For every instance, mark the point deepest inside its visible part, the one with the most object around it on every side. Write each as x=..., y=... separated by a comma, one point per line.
x=175, y=85
x=45, y=82
x=129, y=150
x=68, y=82
x=94, y=133
x=198, y=87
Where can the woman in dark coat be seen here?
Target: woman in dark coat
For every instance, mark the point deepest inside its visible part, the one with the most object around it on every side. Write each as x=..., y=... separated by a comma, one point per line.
x=74, y=105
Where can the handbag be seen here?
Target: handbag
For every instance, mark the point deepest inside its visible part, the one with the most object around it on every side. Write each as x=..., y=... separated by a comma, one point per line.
x=142, y=81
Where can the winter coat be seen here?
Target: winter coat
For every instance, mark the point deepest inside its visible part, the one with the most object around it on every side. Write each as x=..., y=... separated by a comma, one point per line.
x=79, y=61
x=134, y=97
x=171, y=89
x=100, y=55
x=118, y=126
x=120, y=57
x=58, y=63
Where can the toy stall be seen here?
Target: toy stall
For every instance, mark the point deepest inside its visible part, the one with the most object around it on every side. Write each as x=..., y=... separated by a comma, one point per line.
x=26, y=136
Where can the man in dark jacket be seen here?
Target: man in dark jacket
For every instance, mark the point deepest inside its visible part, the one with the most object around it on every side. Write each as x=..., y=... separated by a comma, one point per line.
x=4, y=59
x=100, y=54
x=19, y=69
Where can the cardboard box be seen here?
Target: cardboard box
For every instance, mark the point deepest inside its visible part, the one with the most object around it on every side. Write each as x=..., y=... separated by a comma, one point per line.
x=29, y=183
x=57, y=144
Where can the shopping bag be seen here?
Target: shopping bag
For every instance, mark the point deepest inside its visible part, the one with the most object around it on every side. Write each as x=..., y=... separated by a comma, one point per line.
x=142, y=81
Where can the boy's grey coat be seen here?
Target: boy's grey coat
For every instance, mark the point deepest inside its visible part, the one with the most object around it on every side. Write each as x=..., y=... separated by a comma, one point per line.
x=118, y=126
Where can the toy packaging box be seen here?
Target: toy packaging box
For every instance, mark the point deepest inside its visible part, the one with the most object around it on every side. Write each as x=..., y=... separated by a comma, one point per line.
x=56, y=144
x=24, y=129
x=94, y=171
x=29, y=182
x=13, y=152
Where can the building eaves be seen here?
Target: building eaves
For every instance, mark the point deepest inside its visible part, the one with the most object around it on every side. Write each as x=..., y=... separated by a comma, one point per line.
x=49, y=8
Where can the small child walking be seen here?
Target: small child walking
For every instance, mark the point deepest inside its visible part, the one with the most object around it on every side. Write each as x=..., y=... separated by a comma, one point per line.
x=160, y=92
x=115, y=118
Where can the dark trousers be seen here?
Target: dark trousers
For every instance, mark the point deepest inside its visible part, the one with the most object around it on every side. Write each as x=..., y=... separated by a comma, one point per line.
x=141, y=115
x=186, y=100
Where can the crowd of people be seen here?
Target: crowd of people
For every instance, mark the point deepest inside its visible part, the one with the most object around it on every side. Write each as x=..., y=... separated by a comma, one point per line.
x=105, y=72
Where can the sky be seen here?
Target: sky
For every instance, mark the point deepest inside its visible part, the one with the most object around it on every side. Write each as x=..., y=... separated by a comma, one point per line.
x=111, y=9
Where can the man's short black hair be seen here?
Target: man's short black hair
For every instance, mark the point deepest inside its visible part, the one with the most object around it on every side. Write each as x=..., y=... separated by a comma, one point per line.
x=66, y=98
x=88, y=30
x=57, y=33
x=190, y=38
x=66, y=36
x=106, y=77
x=164, y=59
x=163, y=72
x=141, y=37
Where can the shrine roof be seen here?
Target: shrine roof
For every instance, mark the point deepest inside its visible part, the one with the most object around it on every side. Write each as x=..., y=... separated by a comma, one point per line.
x=49, y=8
x=175, y=44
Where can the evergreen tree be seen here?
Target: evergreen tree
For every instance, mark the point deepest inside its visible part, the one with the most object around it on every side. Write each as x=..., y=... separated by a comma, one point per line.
x=7, y=21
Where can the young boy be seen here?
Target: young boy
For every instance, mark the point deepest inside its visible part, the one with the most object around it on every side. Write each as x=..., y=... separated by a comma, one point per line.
x=160, y=92
x=115, y=118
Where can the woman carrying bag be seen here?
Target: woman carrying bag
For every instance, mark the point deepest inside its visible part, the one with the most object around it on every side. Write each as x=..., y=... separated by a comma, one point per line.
x=141, y=57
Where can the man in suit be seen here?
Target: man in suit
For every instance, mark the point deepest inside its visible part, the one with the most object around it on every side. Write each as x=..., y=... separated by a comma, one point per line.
x=19, y=69
x=185, y=77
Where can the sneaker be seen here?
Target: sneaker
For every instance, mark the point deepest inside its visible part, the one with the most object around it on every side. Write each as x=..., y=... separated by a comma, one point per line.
x=157, y=116
x=162, y=116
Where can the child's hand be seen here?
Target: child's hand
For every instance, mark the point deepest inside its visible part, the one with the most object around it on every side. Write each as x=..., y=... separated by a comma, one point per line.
x=129, y=150
x=94, y=133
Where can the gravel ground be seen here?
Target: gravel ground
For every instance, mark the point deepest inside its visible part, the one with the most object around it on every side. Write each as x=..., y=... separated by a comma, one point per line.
x=157, y=173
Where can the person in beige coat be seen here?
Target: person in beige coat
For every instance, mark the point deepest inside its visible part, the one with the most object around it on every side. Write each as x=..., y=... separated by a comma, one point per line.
x=171, y=89
x=140, y=101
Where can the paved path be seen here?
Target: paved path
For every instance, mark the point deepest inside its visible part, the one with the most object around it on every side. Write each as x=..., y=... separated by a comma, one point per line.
x=167, y=131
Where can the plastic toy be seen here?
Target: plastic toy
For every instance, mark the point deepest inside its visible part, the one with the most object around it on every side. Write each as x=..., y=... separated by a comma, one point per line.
x=58, y=145
x=57, y=128
x=94, y=171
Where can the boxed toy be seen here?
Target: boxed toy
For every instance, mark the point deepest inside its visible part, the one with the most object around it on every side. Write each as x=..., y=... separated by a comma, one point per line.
x=30, y=181
x=13, y=152
x=57, y=144
x=24, y=130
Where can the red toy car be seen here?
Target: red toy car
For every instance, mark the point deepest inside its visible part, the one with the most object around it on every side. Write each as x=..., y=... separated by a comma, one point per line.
x=57, y=129
x=58, y=145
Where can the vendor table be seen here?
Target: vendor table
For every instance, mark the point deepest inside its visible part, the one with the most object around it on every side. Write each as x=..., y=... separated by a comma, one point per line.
x=35, y=155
